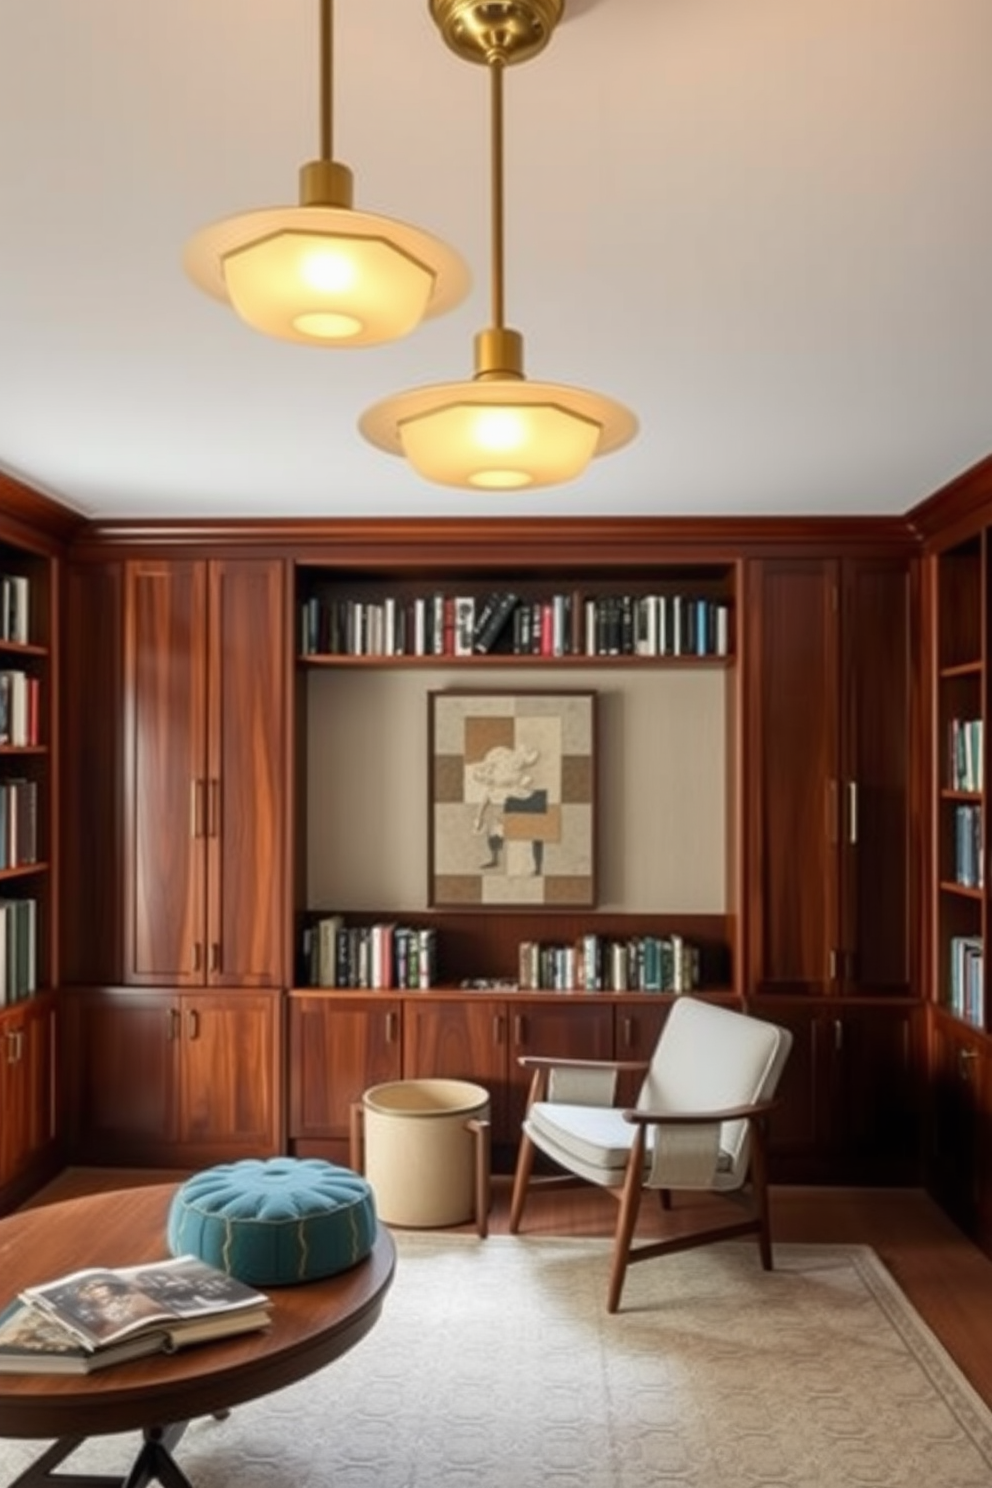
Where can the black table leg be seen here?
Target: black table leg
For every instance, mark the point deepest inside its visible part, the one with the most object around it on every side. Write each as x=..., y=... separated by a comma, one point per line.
x=153, y=1464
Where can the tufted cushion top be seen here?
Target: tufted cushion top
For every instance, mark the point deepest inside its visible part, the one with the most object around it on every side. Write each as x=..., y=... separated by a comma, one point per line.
x=275, y=1221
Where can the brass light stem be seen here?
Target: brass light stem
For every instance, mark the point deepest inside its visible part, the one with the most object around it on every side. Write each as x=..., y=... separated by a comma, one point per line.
x=326, y=76
x=496, y=146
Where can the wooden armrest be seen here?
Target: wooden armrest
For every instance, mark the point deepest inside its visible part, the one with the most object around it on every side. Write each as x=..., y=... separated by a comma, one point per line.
x=699, y=1118
x=549, y=1062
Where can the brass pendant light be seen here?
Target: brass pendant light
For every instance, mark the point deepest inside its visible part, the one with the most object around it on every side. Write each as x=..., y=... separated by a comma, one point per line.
x=321, y=273
x=498, y=431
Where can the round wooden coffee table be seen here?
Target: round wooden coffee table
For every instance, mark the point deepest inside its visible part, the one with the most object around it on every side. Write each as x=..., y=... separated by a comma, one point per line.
x=312, y=1324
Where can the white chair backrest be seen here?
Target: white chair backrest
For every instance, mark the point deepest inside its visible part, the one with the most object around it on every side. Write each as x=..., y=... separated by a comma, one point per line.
x=709, y=1058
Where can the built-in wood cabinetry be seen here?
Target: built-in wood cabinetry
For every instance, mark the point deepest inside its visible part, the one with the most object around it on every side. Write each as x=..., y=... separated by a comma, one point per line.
x=174, y=1077
x=830, y=867
x=204, y=773
x=206, y=724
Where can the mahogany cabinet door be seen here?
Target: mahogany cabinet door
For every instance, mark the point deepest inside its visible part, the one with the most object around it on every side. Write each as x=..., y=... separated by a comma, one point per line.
x=798, y=1131
x=959, y=1163
x=338, y=1048
x=164, y=771
x=27, y=1044
x=792, y=800
x=463, y=1039
x=124, y=1050
x=874, y=816
x=552, y=1027
x=246, y=777
x=874, y=1092
x=229, y=1067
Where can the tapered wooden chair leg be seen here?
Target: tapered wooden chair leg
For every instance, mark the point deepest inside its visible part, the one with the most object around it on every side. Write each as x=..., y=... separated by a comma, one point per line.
x=759, y=1183
x=630, y=1204
x=521, y=1179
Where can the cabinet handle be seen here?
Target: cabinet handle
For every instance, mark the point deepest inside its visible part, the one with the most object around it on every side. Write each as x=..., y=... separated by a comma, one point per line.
x=391, y=1028
x=497, y=1028
x=196, y=808
x=213, y=808
x=193, y=1024
x=852, y=812
x=626, y=1032
x=838, y=1035
x=215, y=955
x=173, y=1024
x=197, y=955
x=965, y=1059
x=519, y=1030
x=832, y=965
x=15, y=1046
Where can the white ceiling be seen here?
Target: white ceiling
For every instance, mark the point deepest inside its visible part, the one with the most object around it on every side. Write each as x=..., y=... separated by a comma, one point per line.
x=765, y=225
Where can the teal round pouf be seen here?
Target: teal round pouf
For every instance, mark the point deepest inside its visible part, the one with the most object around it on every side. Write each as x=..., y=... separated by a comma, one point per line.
x=274, y=1221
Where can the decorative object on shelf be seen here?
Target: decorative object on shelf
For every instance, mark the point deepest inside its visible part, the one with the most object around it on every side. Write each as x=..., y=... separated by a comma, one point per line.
x=498, y=432
x=321, y=273
x=512, y=799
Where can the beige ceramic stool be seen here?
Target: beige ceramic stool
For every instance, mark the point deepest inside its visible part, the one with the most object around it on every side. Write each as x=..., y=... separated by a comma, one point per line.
x=424, y=1146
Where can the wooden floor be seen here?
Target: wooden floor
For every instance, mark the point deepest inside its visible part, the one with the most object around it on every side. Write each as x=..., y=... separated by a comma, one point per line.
x=948, y=1280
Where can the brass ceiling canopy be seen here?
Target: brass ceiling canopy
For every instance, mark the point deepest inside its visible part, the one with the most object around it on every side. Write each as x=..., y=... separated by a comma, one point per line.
x=497, y=30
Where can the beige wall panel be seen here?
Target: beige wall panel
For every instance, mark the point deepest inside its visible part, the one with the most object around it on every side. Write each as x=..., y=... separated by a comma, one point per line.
x=662, y=772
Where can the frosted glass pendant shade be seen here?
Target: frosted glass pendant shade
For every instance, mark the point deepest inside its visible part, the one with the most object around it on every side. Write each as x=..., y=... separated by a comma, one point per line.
x=498, y=435
x=326, y=275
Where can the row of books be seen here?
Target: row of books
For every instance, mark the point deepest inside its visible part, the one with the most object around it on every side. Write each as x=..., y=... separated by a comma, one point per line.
x=15, y=599
x=968, y=855
x=966, y=988
x=509, y=624
x=965, y=764
x=599, y=963
x=382, y=955
x=19, y=697
x=18, y=950
x=18, y=823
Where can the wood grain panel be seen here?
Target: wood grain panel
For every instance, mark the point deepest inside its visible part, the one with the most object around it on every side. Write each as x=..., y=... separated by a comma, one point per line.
x=793, y=781
x=164, y=766
x=246, y=796
x=91, y=870
x=124, y=1047
x=875, y=825
x=228, y=1063
x=463, y=1040
x=338, y=1048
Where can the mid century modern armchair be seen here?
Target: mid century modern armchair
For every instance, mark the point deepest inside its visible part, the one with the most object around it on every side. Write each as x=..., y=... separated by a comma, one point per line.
x=699, y=1123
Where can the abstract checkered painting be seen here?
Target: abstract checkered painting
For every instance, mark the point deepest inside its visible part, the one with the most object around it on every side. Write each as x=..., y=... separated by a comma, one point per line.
x=512, y=799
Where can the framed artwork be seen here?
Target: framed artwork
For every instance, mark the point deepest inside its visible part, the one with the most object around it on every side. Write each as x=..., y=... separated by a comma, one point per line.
x=512, y=798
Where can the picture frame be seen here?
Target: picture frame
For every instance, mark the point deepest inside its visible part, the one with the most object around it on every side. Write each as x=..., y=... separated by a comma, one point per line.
x=512, y=799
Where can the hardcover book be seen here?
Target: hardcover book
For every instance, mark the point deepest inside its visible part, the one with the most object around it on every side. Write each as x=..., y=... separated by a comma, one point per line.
x=99, y=1316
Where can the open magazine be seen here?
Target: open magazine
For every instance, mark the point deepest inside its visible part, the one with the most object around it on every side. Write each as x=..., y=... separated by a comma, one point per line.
x=102, y=1315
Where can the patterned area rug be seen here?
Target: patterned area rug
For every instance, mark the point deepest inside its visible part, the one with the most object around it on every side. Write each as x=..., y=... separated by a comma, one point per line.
x=495, y=1365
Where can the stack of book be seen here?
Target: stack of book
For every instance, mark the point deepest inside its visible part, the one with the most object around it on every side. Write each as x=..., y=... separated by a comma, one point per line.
x=94, y=1318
